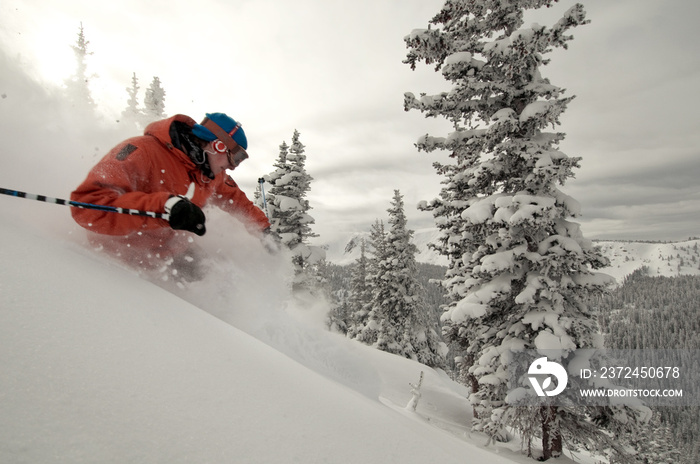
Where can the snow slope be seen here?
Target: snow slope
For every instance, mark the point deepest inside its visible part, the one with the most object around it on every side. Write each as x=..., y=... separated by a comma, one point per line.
x=662, y=259
x=99, y=364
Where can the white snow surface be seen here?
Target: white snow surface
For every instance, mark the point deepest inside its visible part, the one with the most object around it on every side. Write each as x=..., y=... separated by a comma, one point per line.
x=102, y=364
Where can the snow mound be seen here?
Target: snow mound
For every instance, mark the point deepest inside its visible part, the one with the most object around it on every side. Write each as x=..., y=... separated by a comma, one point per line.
x=101, y=365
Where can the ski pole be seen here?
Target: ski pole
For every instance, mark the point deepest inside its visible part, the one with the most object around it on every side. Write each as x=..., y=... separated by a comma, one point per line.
x=261, y=181
x=78, y=204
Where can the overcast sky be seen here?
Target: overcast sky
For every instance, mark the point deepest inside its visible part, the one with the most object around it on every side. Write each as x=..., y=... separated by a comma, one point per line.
x=333, y=70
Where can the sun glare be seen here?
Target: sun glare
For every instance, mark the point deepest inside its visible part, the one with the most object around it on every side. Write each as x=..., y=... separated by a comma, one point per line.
x=55, y=60
x=42, y=39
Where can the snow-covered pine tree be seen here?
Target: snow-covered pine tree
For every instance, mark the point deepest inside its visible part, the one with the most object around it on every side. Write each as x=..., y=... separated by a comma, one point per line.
x=281, y=170
x=419, y=339
x=154, y=101
x=281, y=162
x=520, y=272
x=368, y=320
x=288, y=209
x=302, y=185
x=360, y=293
x=132, y=113
x=339, y=313
x=397, y=309
x=77, y=86
x=336, y=300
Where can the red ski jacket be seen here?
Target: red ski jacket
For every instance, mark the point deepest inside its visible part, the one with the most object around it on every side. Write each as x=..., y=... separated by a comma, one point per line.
x=142, y=173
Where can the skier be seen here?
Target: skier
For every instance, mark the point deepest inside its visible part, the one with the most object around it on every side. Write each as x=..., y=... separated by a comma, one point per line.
x=177, y=166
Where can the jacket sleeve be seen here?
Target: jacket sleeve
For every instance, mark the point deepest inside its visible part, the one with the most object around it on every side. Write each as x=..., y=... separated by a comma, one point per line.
x=120, y=180
x=231, y=198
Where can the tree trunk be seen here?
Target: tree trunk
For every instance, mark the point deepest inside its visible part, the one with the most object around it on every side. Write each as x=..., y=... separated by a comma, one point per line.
x=470, y=380
x=551, y=436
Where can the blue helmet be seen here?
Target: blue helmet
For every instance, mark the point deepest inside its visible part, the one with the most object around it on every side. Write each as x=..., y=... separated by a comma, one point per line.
x=227, y=123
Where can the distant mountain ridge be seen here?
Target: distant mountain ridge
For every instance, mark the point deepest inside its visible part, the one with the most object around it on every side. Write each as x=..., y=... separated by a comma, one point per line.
x=661, y=258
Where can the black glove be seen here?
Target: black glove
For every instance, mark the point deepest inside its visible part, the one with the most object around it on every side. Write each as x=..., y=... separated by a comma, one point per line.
x=185, y=215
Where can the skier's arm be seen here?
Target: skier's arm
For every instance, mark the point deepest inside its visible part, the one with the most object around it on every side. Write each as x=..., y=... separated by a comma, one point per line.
x=229, y=197
x=122, y=183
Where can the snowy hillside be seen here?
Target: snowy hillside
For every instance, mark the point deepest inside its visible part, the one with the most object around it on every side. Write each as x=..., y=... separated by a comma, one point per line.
x=662, y=259
x=101, y=365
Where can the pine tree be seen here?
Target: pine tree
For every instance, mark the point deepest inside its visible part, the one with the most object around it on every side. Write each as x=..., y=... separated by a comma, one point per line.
x=132, y=113
x=398, y=316
x=368, y=323
x=339, y=315
x=281, y=171
x=281, y=162
x=154, y=101
x=360, y=293
x=302, y=185
x=77, y=87
x=288, y=209
x=519, y=273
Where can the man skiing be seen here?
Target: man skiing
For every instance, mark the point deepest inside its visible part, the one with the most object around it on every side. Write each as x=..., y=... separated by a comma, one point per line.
x=177, y=166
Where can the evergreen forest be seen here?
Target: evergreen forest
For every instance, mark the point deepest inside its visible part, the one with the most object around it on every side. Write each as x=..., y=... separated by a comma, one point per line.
x=659, y=313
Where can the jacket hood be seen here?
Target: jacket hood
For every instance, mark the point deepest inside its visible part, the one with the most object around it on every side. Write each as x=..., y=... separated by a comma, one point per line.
x=161, y=129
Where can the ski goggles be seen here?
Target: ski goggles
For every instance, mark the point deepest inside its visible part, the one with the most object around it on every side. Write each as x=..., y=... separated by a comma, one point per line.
x=236, y=157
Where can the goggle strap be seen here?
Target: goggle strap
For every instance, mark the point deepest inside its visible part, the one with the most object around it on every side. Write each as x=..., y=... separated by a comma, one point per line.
x=222, y=134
